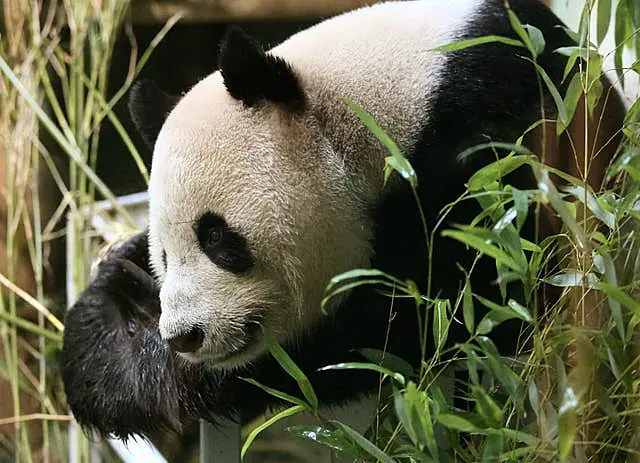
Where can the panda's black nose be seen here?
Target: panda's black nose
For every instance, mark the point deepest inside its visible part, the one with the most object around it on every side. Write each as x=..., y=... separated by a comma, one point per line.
x=190, y=341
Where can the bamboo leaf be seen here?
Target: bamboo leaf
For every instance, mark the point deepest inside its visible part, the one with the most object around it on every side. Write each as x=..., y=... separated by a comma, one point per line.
x=603, y=18
x=440, y=322
x=364, y=443
x=481, y=245
x=365, y=366
x=253, y=434
x=274, y=392
x=333, y=439
x=462, y=44
x=496, y=170
x=292, y=369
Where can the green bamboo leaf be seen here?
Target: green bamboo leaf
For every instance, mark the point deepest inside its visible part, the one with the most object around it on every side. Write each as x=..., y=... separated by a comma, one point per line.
x=603, y=18
x=274, y=392
x=401, y=165
x=621, y=29
x=494, y=146
x=481, y=245
x=357, y=273
x=292, y=369
x=457, y=423
x=493, y=448
x=365, y=366
x=388, y=360
x=519, y=310
x=567, y=423
x=440, y=322
x=563, y=117
x=487, y=408
x=619, y=295
x=335, y=440
x=572, y=278
x=396, y=161
x=412, y=408
x=364, y=443
x=500, y=369
x=593, y=204
x=536, y=37
x=522, y=33
x=497, y=169
x=572, y=97
x=462, y=44
x=253, y=434
x=521, y=204
x=468, y=311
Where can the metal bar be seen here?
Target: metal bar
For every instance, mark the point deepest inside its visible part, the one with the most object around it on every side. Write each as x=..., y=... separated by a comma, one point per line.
x=220, y=443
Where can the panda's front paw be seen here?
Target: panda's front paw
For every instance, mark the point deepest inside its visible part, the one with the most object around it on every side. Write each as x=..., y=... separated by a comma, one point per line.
x=119, y=376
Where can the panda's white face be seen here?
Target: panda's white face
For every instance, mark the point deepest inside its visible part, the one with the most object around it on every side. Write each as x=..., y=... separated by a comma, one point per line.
x=251, y=213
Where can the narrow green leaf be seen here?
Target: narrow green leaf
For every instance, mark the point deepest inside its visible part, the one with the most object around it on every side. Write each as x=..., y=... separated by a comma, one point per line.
x=364, y=443
x=357, y=273
x=493, y=448
x=572, y=278
x=563, y=117
x=481, y=245
x=519, y=29
x=521, y=204
x=496, y=170
x=494, y=146
x=468, y=311
x=519, y=310
x=403, y=167
x=335, y=440
x=412, y=408
x=587, y=197
x=274, y=392
x=291, y=368
x=604, y=19
x=567, y=423
x=389, y=361
x=457, y=423
x=621, y=29
x=274, y=419
x=572, y=97
x=500, y=369
x=619, y=295
x=440, y=322
x=365, y=366
x=487, y=408
x=537, y=39
x=462, y=44
x=396, y=161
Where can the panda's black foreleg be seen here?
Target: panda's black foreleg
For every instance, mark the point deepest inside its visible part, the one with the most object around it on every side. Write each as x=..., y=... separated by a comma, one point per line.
x=119, y=377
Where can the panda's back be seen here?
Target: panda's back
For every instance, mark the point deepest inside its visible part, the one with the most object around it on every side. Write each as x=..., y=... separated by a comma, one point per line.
x=380, y=58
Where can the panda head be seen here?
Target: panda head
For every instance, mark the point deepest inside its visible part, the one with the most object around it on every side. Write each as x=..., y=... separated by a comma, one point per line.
x=252, y=210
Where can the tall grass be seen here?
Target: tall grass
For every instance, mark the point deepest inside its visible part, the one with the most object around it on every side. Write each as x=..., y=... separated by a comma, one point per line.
x=55, y=60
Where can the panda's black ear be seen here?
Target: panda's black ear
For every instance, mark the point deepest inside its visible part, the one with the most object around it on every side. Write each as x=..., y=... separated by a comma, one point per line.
x=149, y=107
x=252, y=76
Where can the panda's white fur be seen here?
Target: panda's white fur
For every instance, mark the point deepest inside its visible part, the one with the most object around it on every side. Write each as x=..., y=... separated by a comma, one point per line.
x=297, y=191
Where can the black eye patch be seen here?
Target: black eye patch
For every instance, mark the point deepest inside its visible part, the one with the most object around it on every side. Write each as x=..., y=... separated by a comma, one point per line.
x=225, y=247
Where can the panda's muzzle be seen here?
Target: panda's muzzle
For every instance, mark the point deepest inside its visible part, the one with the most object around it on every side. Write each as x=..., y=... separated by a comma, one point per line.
x=187, y=342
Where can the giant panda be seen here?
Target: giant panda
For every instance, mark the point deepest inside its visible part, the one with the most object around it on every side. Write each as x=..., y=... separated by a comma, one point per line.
x=265, y=184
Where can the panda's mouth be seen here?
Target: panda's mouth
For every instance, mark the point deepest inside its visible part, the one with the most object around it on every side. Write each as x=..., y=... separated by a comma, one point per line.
x=252, y=341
